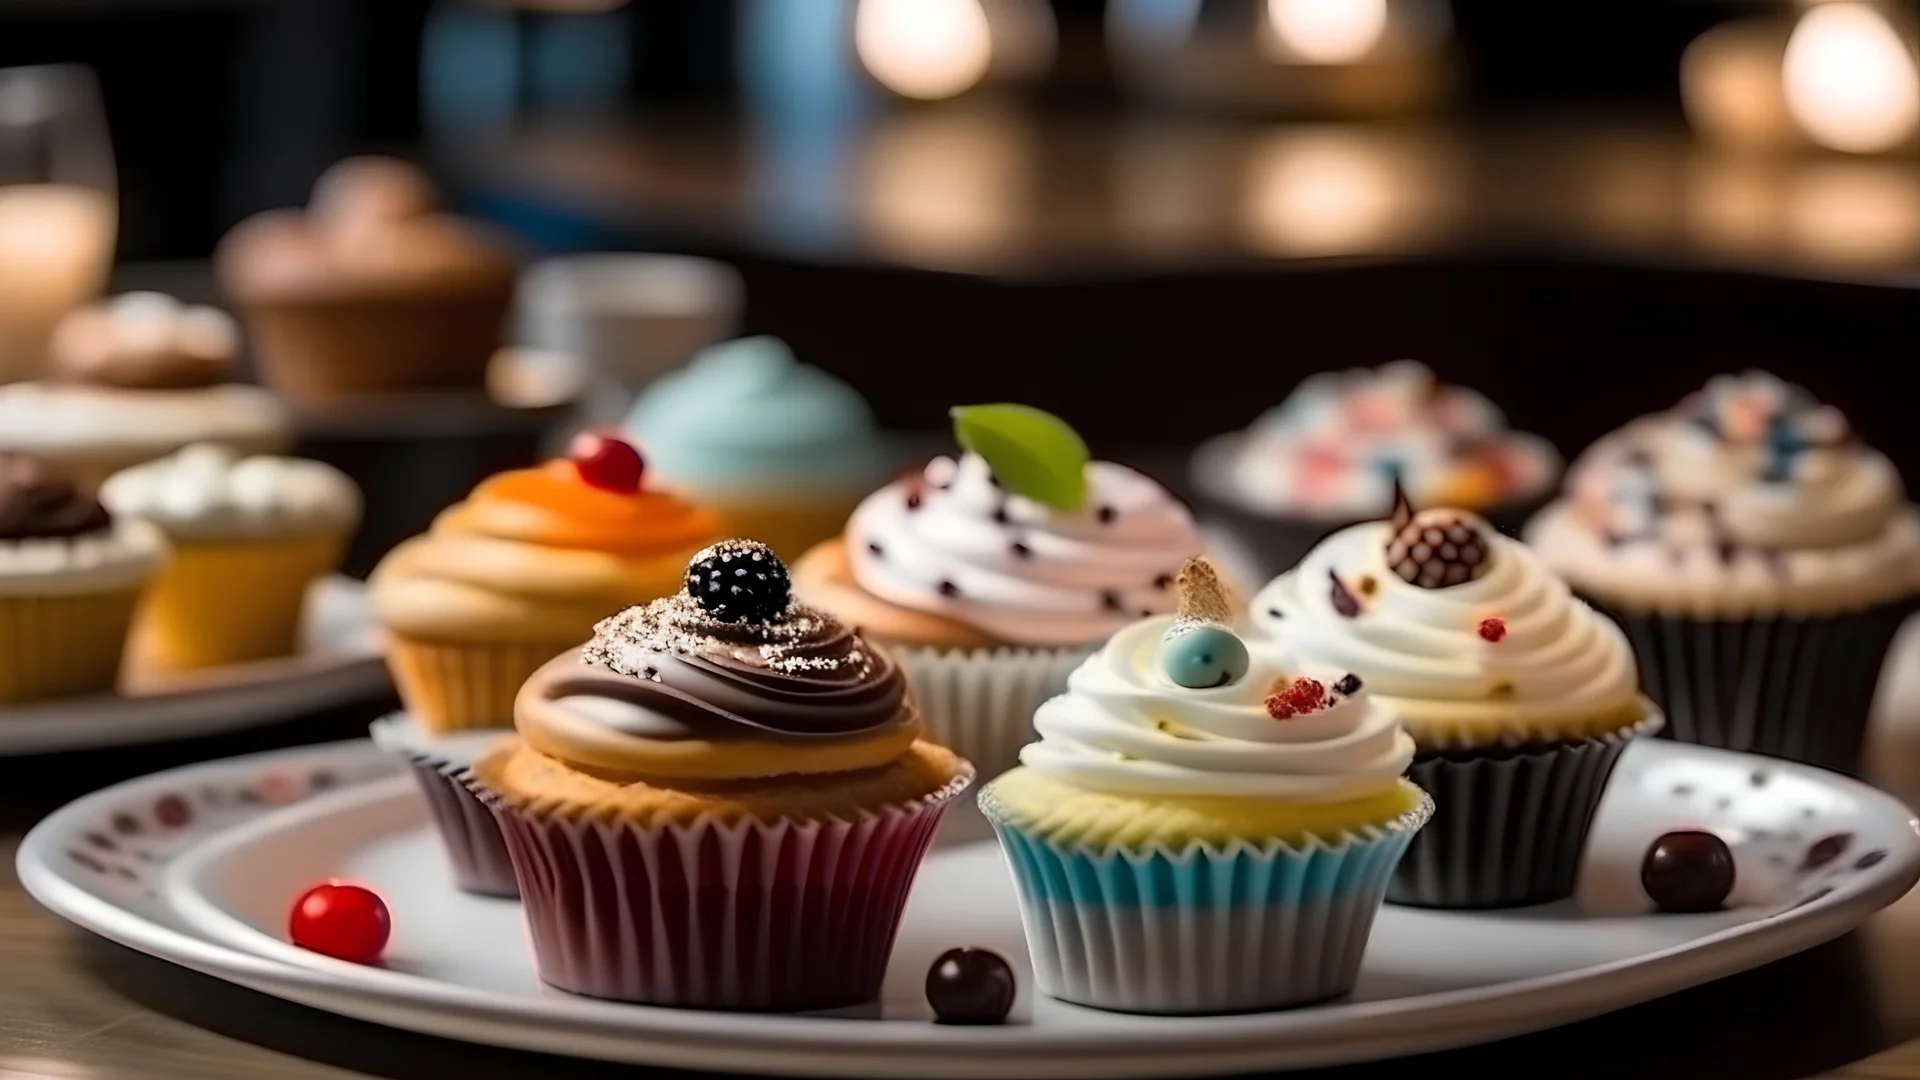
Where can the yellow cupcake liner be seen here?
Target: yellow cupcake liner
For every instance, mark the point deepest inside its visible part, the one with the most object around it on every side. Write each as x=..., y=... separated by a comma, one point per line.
x=452, y=686
x=59, y=646
x=230, y=602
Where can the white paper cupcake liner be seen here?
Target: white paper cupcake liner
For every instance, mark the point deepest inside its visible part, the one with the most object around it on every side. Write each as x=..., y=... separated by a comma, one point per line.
x=1800, y=689
x=469, y=835
x=703, y=914
x=1200, y=930
x=980, y=703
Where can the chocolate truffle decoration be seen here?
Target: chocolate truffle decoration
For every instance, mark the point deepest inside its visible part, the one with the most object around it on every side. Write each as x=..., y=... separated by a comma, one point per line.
x=1434, y=549
x=1688, y=872
x=38, y=503
x=970, y=986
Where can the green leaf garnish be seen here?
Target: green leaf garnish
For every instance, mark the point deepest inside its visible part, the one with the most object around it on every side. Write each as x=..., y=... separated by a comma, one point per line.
x=1033, y=453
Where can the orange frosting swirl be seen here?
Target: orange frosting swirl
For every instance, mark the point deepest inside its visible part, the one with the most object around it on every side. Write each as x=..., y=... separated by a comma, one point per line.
x=538, y=555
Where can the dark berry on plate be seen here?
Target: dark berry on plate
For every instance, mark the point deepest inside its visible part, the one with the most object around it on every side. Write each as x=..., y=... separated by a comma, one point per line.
x=738, y=581
x=970, y=986
x=1688, y=872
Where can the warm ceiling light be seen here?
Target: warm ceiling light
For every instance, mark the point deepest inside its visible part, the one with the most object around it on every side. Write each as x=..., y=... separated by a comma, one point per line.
x=1850, y=82
x=926, y=49
x=1327, y=31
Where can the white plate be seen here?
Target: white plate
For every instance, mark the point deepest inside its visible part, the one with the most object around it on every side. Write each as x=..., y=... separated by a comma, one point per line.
x=196, y=866
x=338, y=662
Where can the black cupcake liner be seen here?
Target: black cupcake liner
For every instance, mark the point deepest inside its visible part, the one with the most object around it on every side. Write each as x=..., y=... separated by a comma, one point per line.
x=1509, y=824
x=1794, y=688
x=1277, y=544
x=467, y=828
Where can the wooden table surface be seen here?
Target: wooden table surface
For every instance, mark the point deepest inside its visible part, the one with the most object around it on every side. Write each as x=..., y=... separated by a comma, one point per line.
x=76, y=1007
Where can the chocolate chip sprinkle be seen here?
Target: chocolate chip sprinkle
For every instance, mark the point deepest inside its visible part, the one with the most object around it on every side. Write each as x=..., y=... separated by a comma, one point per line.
x=1349, y=684
x=1000, y=516
x=913, y=500
x=1344, y=601
x=874, y=549
x=1020, y=550
x=948, y=588
x=1110, y=600
x=1163, y=582
x=1106, y=514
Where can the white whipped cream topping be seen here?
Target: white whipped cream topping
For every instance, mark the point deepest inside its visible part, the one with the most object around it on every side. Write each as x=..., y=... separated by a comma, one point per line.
x=1125, y=728
x=957, y=545
x=1422, y=653
x=1748, y=497
x=119, y=557
x=1331, y=450
x=61, y=422
x=148, y=324
x=207, y=491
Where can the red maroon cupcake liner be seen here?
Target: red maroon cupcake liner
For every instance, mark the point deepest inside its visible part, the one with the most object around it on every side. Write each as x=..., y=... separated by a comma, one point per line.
x=471, y=837
x=781, y=916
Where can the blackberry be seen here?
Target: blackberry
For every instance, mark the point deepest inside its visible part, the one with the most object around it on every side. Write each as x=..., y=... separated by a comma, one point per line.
x=738, y=581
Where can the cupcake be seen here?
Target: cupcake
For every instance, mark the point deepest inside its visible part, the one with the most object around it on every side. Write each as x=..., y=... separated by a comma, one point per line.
x=370, y=290
x=1329, y=456
x=522, y=569
x=441, y=764
x=1190, y=800
x=136, y=378
x=993, y=576
x=70, y=576
x=1520, y=698
x=1759, y=557
x=720, y=801
x=248, y=536
x=784, y=451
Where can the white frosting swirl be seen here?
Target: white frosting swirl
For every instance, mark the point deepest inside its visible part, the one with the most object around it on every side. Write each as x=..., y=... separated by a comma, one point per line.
x=1332, y=449
x=1124, y=728
x=210, y=492
x=957, y=545
x=1560, y=665
x=1749, y=497
x=119, y=557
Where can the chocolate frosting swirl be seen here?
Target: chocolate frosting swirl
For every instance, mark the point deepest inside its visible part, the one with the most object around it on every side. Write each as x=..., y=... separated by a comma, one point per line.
x=803, y=675
x=37, y=503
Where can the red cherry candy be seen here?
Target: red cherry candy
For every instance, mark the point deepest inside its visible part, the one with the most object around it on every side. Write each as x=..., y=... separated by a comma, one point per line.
x=347, y=922
x=607, y=462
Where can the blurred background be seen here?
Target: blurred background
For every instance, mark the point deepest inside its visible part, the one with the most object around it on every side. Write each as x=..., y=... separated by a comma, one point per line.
x=1151, y=216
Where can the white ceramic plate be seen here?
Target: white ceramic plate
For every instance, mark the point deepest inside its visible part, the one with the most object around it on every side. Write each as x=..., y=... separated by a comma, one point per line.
x=338, y=662
x=199, y=866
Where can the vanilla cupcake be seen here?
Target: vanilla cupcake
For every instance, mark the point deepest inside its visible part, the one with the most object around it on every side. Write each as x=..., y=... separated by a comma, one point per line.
x=1760, y=558
x=991, y=577
x=249, y=535
x=1330, y=454
x=370, y=290
x=765, y=737
x=522, y=569
x=1189, y=798
x=1519, y=697
x=783, y=450
x=70, y=576
x=136, y=378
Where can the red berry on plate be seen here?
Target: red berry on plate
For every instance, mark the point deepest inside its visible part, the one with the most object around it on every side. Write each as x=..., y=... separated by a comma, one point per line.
x=1493, y=629
x=347, y=922
x=607, y=462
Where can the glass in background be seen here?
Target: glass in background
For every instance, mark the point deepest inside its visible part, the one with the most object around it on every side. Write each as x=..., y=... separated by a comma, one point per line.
x=58, y=208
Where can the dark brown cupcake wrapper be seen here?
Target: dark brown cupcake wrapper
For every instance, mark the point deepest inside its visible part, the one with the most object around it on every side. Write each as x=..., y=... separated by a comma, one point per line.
x=1795, y=688
x=468, y=831
x=1509, y=824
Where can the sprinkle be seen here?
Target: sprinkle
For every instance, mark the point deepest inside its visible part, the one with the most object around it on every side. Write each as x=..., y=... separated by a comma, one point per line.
x=1349, y=684
x=1110, y=600
x=1344, y=601
x=1368, y=586
x=874, y=549
x=1493, y=630
x=1021, y=551
x=1106, y=514
x=1500, y=690
x=1163, y=582
x=1303, y=696
x=913, y=499
x=948, y=588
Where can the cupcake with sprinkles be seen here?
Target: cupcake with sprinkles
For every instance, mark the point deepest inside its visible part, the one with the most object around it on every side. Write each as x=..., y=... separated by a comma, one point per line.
x=1519, y=697
x=1330, y=454
x=1191, y=796
x=992, y=576
x=1759, y=557
x=730, y=722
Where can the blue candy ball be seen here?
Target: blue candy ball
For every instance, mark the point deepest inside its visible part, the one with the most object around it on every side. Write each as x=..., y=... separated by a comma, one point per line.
x=1203, y=658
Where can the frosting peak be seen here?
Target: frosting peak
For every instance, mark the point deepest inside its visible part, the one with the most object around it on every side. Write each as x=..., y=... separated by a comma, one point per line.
x=1278, y=731
x=145, y=341
x=954, y=543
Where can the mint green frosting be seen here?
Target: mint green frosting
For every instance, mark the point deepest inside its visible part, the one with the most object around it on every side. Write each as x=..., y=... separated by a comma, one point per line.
x=746, y=416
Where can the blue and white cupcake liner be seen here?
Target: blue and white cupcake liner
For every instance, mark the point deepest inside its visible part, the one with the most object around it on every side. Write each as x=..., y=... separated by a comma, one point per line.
x=440, y=763
x=1248, y=928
